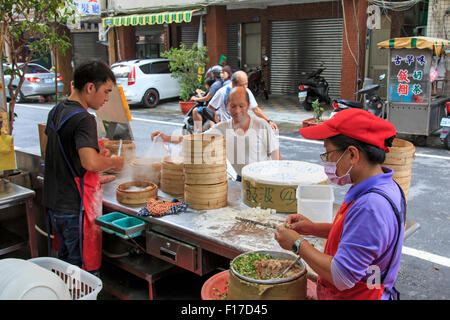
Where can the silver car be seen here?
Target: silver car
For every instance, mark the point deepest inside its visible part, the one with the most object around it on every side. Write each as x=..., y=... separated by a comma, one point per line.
x=38, y=81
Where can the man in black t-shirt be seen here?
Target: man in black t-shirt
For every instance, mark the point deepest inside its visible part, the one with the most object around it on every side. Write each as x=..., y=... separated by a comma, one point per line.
x=73, y=159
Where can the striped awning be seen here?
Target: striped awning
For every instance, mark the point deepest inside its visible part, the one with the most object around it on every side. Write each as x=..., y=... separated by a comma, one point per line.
x=435, y=44
x=149, y=19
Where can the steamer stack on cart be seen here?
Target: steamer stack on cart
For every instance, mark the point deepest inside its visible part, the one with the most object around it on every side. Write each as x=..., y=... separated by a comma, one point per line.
x=400, y=159
x=172, y=179
x=205, y=171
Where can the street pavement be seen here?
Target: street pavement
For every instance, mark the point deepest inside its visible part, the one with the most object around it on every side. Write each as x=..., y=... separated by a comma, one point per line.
x=425, y=267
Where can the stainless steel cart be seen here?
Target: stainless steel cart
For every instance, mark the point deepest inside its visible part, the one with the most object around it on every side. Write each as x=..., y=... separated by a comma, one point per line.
x=418, y=85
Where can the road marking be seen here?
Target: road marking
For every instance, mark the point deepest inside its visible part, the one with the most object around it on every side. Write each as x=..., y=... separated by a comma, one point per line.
x=281, y=137
x=160, y=122
x=426, y=256
x=33, y=107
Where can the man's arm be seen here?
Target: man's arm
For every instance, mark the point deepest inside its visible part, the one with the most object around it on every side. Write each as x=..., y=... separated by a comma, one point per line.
x=167, y=138
x=259, y=113
x=202, y=99
x=93, y=161
x=276, y=155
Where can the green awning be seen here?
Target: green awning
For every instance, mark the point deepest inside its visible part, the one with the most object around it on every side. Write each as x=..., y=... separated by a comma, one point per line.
x=149, y=19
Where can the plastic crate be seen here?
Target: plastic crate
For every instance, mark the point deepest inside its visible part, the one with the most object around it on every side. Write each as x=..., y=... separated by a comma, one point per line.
x=81, y=284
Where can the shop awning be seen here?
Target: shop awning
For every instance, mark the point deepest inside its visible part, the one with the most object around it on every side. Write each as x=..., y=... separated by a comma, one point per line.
x=435, y=44
x=149, y=19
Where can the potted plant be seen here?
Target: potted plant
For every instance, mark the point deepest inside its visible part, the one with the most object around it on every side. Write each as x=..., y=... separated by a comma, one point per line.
x=318, y=111
x=188, y=66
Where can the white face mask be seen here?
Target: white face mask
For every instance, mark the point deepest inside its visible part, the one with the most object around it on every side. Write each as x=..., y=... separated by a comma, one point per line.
x=330, y=171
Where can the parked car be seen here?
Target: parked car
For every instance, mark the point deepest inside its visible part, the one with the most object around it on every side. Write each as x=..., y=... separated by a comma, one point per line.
x=38, y=81
x=146, y=81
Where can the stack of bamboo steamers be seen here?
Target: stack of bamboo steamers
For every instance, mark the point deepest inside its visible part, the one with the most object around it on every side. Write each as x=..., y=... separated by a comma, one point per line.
x=205, y=171
x=172, y=179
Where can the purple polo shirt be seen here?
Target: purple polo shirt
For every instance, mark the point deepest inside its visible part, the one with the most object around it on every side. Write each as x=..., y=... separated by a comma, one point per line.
x=369, y=234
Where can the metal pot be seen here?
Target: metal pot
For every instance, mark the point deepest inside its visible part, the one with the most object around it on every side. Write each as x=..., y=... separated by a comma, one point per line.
x=244, y=288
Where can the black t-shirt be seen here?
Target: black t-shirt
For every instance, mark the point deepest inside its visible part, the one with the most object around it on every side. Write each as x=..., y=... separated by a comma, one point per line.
x=60, y=190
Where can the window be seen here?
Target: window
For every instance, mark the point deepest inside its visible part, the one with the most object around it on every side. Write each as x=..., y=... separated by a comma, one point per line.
x=160, y=67
x=145, y=68
x=35, y=68
x=121, y=71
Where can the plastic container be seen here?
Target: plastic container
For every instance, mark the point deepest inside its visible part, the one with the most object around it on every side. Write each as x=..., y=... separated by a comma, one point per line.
x=127, y=224
x=216, y=287
x=81, y=284
x=316, y=202
x=109, y=218
x=24, y=280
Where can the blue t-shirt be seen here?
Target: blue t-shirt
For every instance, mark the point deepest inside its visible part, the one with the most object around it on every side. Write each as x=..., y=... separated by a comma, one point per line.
x=215, y=86
x=369, y=234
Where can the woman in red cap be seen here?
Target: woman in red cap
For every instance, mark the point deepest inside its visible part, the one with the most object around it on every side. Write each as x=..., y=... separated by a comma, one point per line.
x=363, y=248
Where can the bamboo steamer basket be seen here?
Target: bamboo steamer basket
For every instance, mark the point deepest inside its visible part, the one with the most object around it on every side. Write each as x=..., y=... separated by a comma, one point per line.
x=202, y=142
x=128, y=150
x=204, y=159
x=205, y=178
x=204, y=149
x=202, y=197
x=400, y=159
x=126, y=195
x=172, y=178
x=147, y=169
x=205, y=168
x=172, y=186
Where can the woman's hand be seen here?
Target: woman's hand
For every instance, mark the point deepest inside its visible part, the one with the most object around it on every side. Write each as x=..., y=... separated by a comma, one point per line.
x=300, y=223
x=285, y=237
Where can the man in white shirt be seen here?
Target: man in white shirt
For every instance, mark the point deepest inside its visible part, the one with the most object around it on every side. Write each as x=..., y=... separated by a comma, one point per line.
x=248, y=138
x=218, y=101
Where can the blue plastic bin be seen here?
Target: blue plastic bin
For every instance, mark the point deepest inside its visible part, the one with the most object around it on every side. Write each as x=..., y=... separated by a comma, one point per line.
x=109, y=218
x=127, y=224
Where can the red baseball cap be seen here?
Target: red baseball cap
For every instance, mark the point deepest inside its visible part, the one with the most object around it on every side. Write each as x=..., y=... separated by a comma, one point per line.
x=354, y=123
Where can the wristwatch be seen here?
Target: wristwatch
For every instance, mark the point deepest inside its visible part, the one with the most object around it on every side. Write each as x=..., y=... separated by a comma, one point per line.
x=296, y=245
x=269, y=121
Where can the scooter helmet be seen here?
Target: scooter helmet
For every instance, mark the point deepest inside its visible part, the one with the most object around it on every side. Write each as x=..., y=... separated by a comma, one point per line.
x=215, y=70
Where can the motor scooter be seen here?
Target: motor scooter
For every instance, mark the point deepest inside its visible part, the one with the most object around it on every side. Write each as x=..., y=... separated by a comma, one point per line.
x=313, y=87
x=190, y=128
x=372, y=101
x=445, y=124
x=256, y=82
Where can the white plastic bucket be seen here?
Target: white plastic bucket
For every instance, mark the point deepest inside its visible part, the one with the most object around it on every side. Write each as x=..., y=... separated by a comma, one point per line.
x=315, y=202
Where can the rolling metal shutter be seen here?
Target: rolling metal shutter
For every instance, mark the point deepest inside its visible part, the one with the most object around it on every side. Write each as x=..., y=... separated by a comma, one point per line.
x=85, y=47
x=189, y=35
x=233, y=54
x=300, y=46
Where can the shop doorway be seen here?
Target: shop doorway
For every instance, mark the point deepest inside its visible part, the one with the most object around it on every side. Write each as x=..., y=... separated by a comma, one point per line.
x=149, y=41
x=252, y=45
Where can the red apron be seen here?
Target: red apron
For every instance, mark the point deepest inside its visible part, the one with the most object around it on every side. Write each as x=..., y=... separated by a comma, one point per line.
x=90, y=190
x=92, y=234
x=326, y=290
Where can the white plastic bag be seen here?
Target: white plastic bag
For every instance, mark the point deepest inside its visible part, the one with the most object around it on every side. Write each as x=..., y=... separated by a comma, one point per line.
x=149, y=167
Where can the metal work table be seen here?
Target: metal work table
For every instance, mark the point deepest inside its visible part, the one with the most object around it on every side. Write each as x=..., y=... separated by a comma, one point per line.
x=12, y=196
x=215, y=230
x=193, y=239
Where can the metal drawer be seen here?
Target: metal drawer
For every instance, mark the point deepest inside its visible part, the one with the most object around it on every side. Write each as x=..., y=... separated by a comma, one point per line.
x=179, y=253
